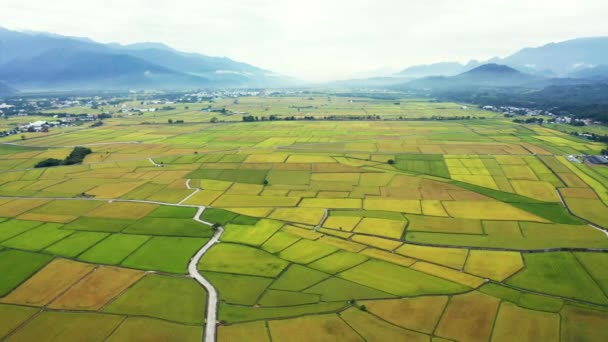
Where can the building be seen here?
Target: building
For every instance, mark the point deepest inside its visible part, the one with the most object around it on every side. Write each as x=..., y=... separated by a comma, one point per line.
x=598, y=160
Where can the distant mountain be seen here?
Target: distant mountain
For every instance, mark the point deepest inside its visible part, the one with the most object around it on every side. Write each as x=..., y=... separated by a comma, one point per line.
x=41, y=61
x=552, y=60
x=436, y=69
x=561, y=58
x=6, y=90
x=371, y=82
x=599, y=72
x=487, y=75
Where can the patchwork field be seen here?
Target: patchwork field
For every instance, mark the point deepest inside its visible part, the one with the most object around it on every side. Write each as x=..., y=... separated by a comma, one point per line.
x=459, y=230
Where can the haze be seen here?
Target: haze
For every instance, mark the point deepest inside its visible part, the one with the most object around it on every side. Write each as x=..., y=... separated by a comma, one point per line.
x=320, y=40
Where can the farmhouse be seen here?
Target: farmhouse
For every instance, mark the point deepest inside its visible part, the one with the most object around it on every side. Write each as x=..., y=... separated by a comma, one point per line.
x=599, y=160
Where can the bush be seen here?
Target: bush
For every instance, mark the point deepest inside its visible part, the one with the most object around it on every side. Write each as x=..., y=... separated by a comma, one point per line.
x=49, y=163
x=391, y=162
x=76, y=157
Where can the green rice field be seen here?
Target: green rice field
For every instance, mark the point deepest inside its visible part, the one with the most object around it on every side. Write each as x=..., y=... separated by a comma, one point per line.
x=341, y=230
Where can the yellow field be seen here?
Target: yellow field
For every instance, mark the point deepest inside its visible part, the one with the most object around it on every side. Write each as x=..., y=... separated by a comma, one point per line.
x=469, y=317
x=310, y=216
x=381, y=227
x=487, y=210
x=448, y=273
x=451, y=257
x=328, y=328
x=424, y=312
x=517, y=324
x=48, y=283
x=493, y=265
x=404, y=206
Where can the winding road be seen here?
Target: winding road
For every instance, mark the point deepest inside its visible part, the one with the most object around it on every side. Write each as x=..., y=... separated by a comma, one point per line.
x=211, y=318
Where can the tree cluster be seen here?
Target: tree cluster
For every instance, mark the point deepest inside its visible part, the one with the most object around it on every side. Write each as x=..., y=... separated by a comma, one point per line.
x=75, y=157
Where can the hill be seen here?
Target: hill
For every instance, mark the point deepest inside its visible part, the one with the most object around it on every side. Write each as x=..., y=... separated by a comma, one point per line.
x=550, y=60
x=41, y=61
x=487, y=75
x=5, y=89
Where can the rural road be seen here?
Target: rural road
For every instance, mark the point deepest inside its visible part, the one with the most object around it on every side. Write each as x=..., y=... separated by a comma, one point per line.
x=211, y=318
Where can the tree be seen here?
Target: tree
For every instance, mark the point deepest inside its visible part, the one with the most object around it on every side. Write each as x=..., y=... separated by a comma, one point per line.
x=23, y=137
x=213, y=120
x=391, y=162
x=49, y=163
x=265, y=181
x=170, y=121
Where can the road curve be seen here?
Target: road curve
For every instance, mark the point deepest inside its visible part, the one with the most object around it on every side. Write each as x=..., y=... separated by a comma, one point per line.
x=211, y=315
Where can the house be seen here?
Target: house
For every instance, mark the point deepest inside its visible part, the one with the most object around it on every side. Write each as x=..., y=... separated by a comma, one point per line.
x=598, y=160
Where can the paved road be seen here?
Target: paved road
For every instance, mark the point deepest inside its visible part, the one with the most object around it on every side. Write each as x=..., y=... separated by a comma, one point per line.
x=211, y=318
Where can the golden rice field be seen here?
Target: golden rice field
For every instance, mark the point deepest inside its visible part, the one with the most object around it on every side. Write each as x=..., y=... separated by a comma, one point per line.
x=476, y=230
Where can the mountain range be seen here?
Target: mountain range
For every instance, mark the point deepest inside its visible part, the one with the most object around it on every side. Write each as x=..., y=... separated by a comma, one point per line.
x=42, y=61
x=33, y=61
x=572, y=58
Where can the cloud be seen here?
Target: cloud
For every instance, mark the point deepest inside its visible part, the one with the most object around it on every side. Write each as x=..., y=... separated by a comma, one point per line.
x=320, y=39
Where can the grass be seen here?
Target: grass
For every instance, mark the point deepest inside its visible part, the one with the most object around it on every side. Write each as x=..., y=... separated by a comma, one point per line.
x=312, y=328
x=336, y=289
x=238, y=289
x=372, y=328
x=297, y=278
x=114, y=249
x=595, y=263
x=279, y=298
x=66, y=326
x=75, y=244
x=38, y=238
x=11, y=228
x=13, y=316
x=232, y=258
x=279, y=241
x=147, y=329
x=235, y=314
x=48, y=283
x=558, y=274
x=550, y=211
x=494, y=265
x=450, y=257
x=173, y=212
x=97, y=289
x=583, y=324
x=165, y=297
x=514, y=323
x=17, y=266
x=99, y=224
x=468, y=317
x=253, y=331
x=398, y=280
x=166, y=254
x=305, y=251
x=426, y=311
x=224, y=217
x=169, y=227
x=338, y=262
x=427, y=164
x=254, y=235
x=540, y=303
x=381, y=227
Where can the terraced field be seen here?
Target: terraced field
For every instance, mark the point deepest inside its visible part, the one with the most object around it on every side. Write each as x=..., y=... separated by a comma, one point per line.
x=476, y=230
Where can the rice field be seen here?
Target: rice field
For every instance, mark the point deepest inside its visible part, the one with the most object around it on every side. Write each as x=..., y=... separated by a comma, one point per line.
x=468, y=230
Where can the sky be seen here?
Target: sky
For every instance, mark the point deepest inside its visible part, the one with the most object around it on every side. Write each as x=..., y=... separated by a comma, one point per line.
x=320, y=40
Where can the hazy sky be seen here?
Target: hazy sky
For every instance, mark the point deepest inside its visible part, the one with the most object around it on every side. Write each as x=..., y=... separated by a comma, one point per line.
x=320, y=40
